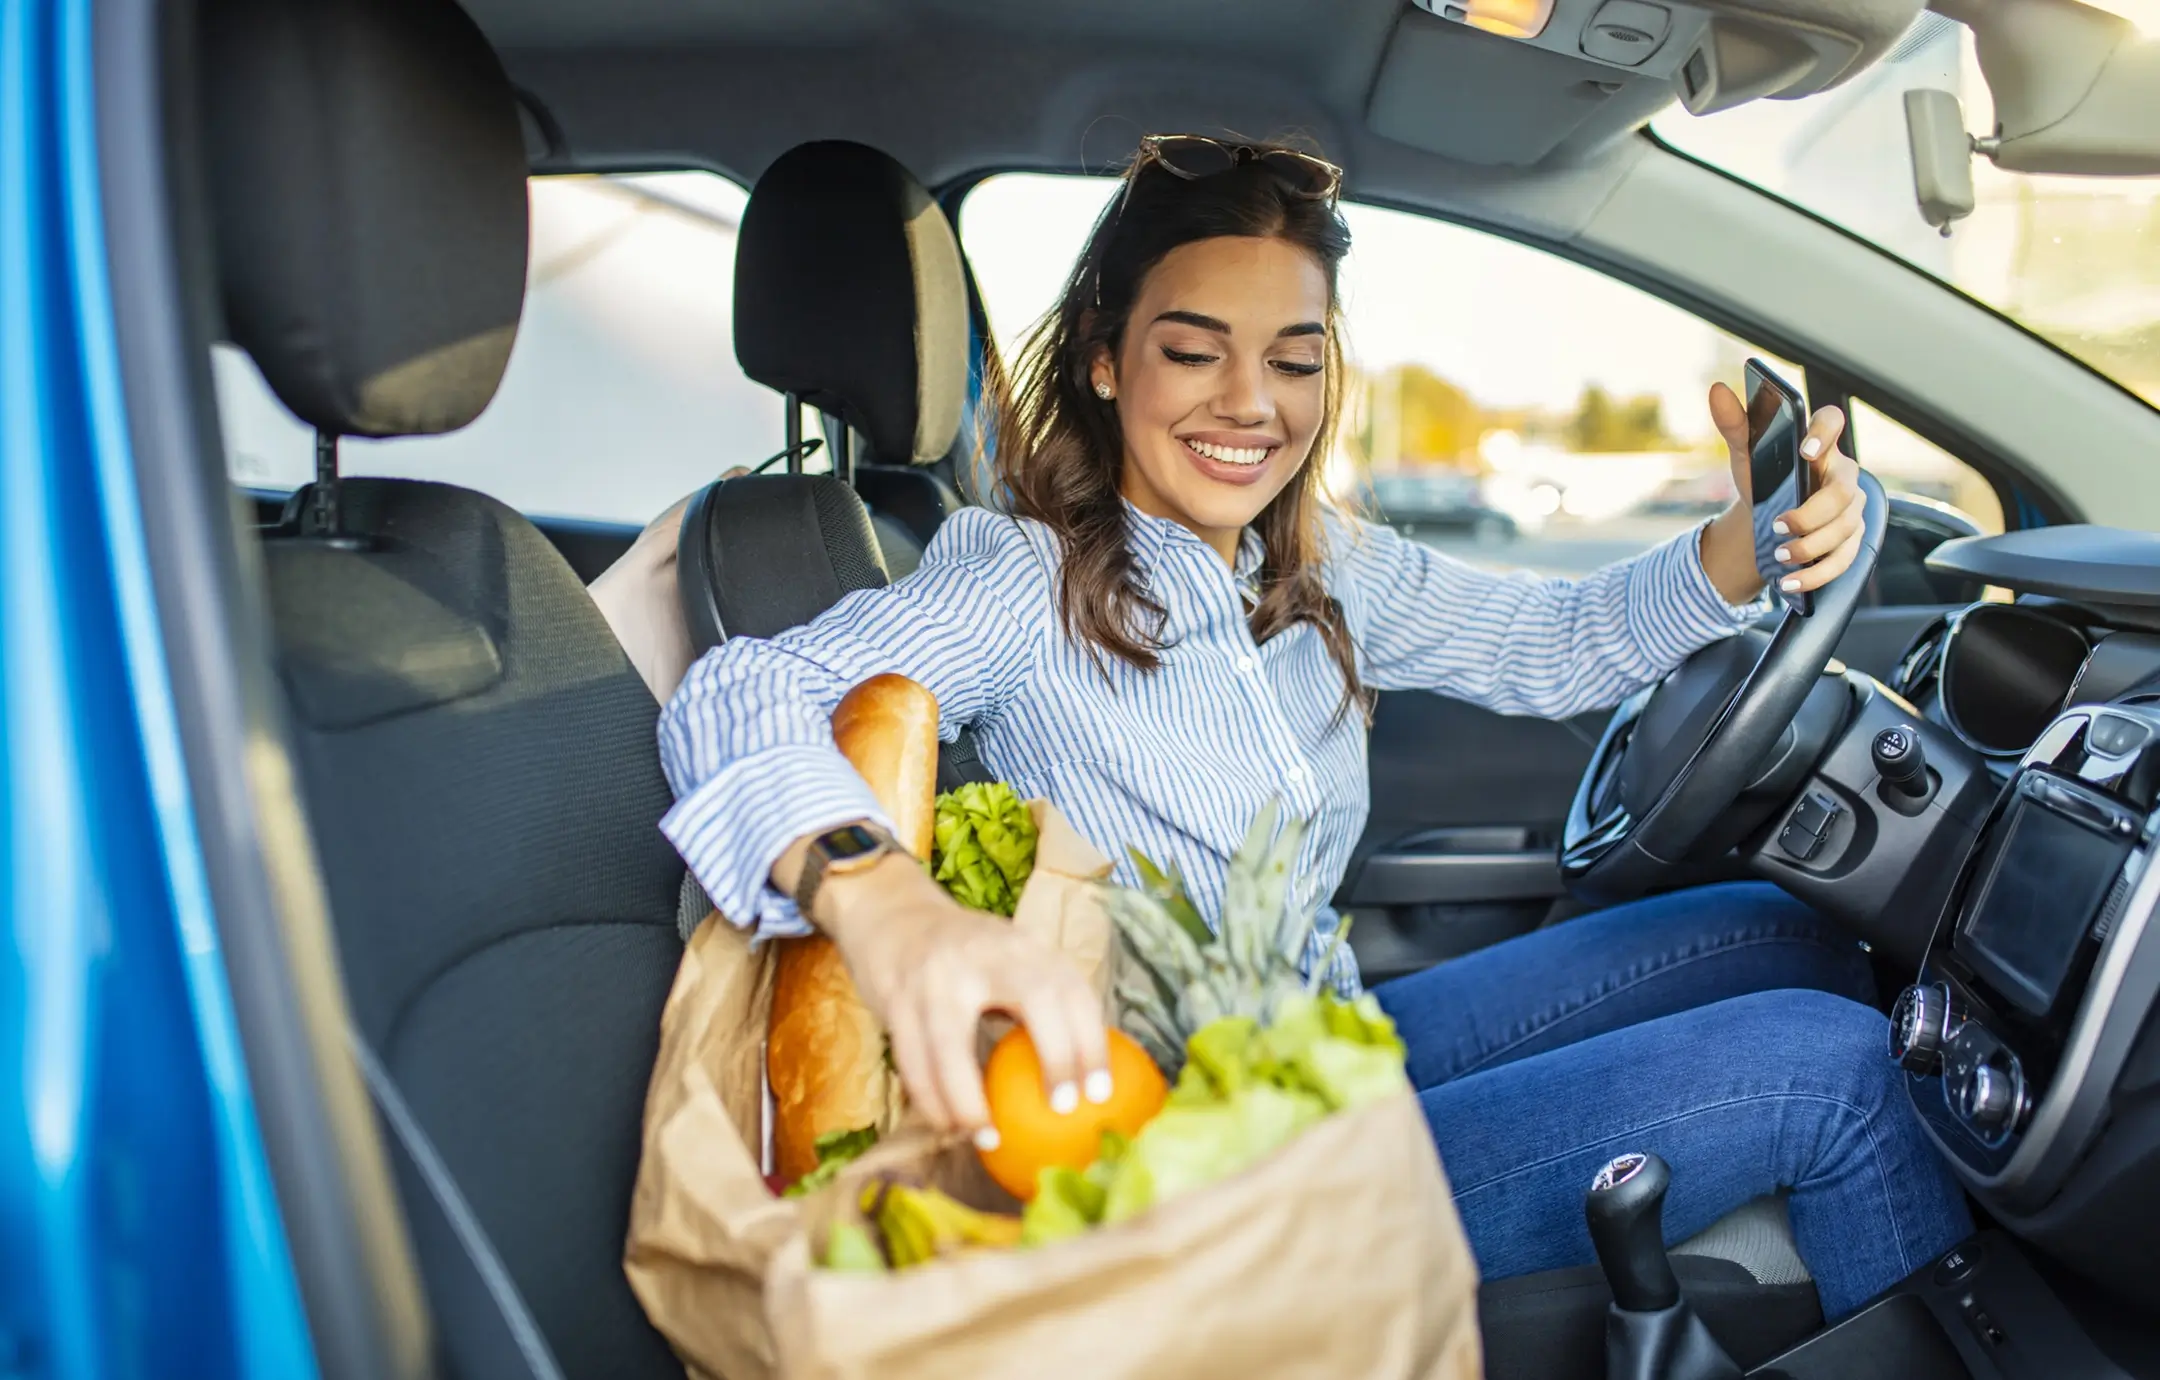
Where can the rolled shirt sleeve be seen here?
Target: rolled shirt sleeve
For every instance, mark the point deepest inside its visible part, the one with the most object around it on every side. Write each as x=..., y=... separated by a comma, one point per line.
x=1519, y=643
x=747, y=744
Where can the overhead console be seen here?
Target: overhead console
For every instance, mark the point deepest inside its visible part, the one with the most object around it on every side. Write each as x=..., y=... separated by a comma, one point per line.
x=1508, y=81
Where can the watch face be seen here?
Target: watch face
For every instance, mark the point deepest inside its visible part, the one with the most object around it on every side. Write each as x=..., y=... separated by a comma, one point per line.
x=850, y=842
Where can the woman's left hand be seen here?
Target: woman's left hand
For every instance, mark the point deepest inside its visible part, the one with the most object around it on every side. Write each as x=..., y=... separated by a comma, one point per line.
x=1821, y=536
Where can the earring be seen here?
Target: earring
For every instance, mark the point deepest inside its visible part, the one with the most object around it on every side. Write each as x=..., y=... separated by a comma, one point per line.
x=1104, y=391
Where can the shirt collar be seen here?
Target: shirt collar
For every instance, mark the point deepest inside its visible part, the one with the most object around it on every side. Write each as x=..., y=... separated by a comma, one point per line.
x=1152, y=536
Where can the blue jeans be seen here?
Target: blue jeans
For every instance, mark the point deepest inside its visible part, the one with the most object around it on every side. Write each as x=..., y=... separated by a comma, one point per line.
x=1725, y=1028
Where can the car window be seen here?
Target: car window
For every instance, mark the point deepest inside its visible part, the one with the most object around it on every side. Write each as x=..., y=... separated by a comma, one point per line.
x=2076, y=260
x=622, y=393
x=1908, y=462
x=1506, y=405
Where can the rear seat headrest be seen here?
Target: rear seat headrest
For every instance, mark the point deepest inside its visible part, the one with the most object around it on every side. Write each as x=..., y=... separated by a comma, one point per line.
x=849, y=294
x=367, y=176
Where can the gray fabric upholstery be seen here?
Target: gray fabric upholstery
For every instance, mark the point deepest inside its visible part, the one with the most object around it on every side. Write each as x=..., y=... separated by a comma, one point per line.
x=1758, y=1237
x=504, y=901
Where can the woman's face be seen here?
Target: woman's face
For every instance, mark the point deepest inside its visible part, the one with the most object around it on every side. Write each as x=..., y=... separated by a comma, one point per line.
x=1220, y=383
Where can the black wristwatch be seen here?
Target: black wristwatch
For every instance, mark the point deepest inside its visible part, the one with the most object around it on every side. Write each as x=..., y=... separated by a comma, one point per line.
x=836, y=853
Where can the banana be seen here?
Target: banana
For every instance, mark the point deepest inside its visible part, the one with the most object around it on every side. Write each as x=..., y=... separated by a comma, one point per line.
x=919, y=1225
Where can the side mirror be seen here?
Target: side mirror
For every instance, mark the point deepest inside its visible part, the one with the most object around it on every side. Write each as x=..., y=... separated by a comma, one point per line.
x=1917, y=526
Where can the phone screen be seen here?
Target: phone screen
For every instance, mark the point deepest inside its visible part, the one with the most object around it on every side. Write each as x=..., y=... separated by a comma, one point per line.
x=1776, y=421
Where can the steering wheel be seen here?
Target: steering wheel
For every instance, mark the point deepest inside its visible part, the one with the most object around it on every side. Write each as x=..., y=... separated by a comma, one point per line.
x=1676, y=756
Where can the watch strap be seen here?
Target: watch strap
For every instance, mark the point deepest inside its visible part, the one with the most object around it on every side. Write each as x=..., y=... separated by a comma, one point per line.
x=819, y=857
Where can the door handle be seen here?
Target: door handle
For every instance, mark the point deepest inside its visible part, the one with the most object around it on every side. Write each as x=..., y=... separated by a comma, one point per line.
x=1446, y=866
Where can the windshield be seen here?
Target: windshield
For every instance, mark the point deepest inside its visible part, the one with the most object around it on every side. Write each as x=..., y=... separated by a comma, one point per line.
x=2076, y=260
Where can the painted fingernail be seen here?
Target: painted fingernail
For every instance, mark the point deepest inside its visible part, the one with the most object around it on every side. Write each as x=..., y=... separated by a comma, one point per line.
x=1811, y=447
x=1098, y=1086
x=1783, y=554
x=1780, y=528
x=1065, y=1099
x=987, y=1139
x=1790, y=584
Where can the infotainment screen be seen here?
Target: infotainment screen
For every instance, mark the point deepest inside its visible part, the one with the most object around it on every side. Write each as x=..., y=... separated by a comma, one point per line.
x=2045, y=876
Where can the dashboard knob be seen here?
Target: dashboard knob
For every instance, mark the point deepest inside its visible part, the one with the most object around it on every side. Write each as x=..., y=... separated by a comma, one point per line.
x=1988, y=1101
x=1920, y=1025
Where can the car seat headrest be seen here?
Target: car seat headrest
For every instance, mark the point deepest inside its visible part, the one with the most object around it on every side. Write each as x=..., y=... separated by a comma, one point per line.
x=849, y=294
x=367, y=179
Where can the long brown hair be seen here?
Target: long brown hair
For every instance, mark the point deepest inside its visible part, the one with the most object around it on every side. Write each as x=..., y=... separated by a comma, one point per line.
x=1061, y=452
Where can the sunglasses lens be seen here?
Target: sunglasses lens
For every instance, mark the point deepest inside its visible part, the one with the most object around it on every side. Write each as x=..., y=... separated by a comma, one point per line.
x=1194, y=158
x=1303, y=175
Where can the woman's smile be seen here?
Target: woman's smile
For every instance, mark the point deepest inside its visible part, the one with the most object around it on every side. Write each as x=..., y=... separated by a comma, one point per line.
x=1229, y=457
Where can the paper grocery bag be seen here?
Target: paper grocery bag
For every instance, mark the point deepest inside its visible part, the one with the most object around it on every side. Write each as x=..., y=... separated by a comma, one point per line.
x=1339, y=1255
x=704, y=1226
x=1059, y=904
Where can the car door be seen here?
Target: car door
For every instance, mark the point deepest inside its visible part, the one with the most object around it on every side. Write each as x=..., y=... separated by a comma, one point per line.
x=1523, y=411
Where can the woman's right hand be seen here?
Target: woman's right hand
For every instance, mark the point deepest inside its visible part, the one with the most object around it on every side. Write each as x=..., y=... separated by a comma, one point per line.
x=929, y=968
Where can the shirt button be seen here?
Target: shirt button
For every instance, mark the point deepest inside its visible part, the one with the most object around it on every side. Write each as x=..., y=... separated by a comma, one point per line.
x=1245, y=664
x=1294, y=775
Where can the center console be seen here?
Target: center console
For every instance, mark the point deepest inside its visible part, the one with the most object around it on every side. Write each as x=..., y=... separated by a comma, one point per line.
x=2002, y=1037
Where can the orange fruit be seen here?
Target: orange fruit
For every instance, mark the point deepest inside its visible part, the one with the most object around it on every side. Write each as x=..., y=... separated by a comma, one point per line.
x=1032, y=1136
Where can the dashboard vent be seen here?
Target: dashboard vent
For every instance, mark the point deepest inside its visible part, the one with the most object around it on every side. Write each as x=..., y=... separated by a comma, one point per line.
x=1920, y=667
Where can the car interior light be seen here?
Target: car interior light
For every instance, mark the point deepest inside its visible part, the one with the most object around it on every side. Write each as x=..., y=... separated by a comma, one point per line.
x=1508, y=18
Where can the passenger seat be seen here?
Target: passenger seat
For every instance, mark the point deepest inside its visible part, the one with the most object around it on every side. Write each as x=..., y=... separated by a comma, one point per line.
x=849, y=296
x=478, y=758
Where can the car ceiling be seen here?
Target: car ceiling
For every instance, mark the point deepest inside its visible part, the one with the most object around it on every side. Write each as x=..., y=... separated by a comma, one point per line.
x=954, y=87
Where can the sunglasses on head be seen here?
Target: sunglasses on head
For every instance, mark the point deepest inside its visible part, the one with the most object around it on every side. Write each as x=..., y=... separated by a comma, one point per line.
x=1194, y=156
x=1191, y=157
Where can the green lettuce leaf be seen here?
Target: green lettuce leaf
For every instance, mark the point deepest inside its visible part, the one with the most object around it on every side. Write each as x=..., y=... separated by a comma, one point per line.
x=835, y=1151
x=1346, y=1075
x=1066, y=1203
x=984, y=845
x=848, y=1248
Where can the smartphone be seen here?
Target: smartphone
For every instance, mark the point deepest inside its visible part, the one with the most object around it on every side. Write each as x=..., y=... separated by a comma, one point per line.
x=1776, y=422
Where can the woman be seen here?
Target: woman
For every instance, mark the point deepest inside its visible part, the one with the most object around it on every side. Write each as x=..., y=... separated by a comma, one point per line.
x=1170, y=629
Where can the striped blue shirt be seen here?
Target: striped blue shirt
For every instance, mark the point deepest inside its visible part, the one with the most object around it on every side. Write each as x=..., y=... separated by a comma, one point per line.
x=1174, y=762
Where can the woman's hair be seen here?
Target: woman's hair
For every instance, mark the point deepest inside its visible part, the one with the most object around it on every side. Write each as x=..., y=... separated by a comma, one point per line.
x=1060, y=451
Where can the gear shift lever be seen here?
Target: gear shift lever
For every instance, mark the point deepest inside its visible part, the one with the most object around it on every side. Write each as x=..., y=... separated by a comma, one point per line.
x=1651, y=1333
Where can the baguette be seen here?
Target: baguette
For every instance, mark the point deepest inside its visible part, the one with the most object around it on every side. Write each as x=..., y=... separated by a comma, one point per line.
x=825, y=1053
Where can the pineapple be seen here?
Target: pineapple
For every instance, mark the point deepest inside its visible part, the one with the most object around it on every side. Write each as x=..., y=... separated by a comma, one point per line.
x=1177, y=976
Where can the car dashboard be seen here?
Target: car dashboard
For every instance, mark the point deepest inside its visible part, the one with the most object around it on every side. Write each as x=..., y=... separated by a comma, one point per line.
x=2026, y=1035
x=1997, y=674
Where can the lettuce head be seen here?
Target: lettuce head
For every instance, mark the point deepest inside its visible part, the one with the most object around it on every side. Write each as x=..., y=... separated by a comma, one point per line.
x=984, y=846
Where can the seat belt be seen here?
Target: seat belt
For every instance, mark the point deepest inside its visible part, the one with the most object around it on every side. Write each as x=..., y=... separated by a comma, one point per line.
x=524, y=1334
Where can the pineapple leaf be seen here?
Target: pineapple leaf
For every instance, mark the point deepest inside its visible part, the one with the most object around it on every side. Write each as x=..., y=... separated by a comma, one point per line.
x=1180, y=973
x=1293, y=933
x=1326, y=962
x=1258, y=887
x=1154, y=937
x=1245, y=899
x=1170, y=891
x=1146, y=1017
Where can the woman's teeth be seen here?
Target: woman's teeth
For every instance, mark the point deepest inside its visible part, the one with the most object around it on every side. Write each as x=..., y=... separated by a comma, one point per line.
x=1231, y=455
